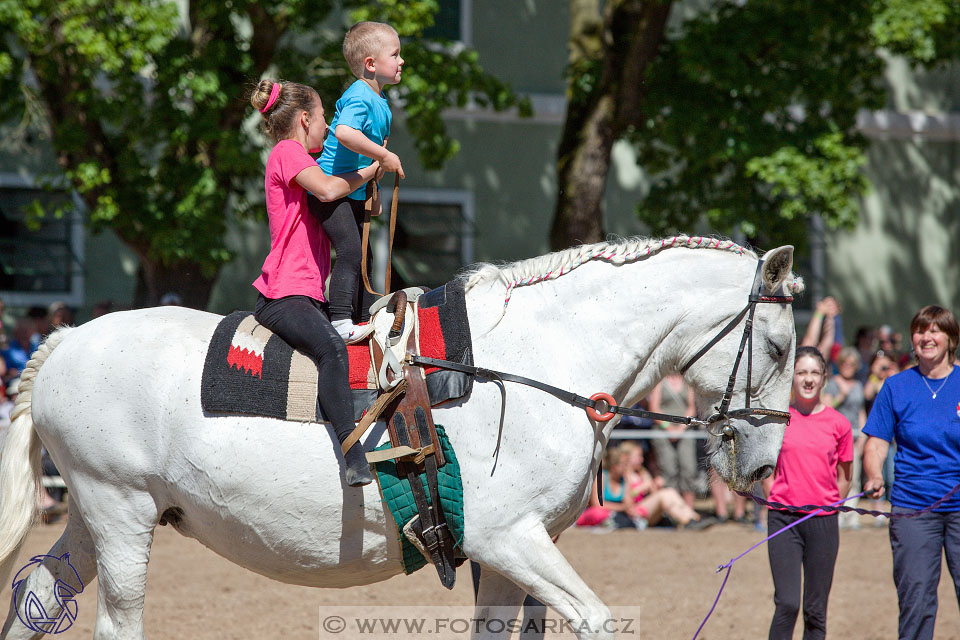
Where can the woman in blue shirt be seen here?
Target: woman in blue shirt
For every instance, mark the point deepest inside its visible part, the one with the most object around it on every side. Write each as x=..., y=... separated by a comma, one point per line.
x=920, y=409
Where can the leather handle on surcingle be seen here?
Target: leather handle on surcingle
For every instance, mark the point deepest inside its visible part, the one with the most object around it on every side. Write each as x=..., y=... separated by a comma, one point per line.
x=365, y=242
x=398, y=307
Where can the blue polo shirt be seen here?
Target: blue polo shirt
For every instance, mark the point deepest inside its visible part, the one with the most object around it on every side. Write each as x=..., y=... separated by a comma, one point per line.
x=362, y=109
x=927, y=433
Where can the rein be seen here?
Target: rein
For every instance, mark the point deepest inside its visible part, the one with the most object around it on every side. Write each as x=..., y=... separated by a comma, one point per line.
x=365, y=237
x=602, y=407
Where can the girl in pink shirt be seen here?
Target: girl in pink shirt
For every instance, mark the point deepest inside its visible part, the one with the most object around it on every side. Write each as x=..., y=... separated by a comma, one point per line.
x=814, y=468
x=291, y=301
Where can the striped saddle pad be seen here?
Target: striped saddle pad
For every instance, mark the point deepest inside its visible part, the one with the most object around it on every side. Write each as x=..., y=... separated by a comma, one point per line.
x=250, y=371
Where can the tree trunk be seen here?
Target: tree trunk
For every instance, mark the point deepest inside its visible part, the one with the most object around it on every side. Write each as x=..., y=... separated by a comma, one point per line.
x=610, y=57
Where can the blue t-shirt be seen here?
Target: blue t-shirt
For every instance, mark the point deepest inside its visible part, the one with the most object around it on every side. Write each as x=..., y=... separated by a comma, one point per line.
x=927, y=432
x=16, y=357
x=362, y=109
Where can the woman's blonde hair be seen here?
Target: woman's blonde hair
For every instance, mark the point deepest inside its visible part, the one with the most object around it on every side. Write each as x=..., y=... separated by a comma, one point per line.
x=280, y=116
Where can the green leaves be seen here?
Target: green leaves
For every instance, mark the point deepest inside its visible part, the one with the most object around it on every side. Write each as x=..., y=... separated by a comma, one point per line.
x=923, y=31
x=830, y=180
x=148, y=102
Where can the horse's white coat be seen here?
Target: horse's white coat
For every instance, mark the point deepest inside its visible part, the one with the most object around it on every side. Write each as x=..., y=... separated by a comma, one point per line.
x=117, y=404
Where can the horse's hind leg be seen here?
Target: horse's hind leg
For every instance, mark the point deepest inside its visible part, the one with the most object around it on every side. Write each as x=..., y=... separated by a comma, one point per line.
x=529, y=558
x=498, y=599
x=75, y=541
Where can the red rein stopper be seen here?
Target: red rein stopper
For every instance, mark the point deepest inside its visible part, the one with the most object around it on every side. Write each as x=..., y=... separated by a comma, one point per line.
x=601, y=417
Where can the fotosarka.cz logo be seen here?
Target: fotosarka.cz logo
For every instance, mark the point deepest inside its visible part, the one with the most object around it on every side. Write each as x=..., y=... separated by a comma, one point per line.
x=32, y=612
x=461, y=622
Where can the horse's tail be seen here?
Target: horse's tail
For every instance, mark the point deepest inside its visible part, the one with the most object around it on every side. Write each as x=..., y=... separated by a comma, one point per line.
x=20, y=467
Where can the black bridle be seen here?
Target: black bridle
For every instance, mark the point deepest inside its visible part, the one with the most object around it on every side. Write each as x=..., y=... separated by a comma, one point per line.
x=723, y=411
x=602, y=407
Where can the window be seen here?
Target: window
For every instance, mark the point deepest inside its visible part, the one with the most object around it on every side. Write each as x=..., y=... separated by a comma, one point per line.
x=39, y=265
x=452, y=22
x=434, y=237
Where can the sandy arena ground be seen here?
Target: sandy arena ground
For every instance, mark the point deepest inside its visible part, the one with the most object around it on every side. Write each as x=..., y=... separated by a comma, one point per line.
x=663, y=579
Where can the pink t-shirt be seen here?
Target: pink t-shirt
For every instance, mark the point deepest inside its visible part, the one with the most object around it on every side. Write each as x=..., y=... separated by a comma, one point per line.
x=807, y=468
x=299, y=258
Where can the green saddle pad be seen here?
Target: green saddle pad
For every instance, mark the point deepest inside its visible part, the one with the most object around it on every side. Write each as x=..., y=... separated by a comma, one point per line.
x=399, y=498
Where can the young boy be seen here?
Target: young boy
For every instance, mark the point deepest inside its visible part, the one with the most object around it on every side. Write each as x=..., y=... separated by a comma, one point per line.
x=361, y=127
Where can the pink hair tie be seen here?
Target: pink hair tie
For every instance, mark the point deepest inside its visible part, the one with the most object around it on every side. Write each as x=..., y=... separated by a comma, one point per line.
x=274, y=92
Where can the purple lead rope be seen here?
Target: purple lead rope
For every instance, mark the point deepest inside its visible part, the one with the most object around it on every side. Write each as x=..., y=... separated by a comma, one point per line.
x=817, y=509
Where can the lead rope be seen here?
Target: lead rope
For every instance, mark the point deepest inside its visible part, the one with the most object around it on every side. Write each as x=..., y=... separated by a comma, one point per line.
x=817, y=509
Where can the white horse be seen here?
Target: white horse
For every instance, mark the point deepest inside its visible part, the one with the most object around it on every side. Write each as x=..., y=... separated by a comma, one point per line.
x=116, y=402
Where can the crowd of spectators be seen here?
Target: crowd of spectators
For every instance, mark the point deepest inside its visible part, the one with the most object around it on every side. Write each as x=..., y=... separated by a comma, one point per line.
x=20, y=335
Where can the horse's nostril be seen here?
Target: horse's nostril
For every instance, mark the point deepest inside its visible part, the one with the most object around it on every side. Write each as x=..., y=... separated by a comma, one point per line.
x=761, y=473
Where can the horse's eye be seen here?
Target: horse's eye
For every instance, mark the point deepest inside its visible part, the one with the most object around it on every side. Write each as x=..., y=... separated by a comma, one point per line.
x=775, y=349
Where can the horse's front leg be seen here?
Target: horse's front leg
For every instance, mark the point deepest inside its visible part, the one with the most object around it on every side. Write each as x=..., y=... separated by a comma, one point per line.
x=529, y=560
x=121, y=523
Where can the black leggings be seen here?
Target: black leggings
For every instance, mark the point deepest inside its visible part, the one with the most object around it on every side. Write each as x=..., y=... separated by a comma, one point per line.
x=342, y=221
x=303, y=323
x=812, y=545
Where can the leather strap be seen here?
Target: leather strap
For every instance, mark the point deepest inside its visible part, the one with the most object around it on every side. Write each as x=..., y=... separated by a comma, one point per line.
x=365, y=241
x=374, y=412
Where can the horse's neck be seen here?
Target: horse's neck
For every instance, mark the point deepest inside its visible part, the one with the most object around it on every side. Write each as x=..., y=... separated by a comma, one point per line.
x=615, y=329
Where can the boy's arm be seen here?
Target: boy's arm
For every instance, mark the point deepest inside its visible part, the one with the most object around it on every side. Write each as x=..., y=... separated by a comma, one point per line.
x=357, y=142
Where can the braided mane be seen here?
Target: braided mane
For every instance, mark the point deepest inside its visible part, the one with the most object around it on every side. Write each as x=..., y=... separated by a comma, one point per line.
x=553, y=265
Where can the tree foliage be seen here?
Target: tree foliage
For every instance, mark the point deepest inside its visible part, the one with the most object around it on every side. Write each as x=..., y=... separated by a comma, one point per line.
x=146, y=107
x=748, y=112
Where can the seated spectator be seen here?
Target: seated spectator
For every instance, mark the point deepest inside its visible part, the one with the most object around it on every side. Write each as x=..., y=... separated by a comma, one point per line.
x=633, y=499
x=38, y=318
x=58, y=315
x=3, y=330
x=7, y=392
x=19, y=349
x=883, y=365
x=634, y=422
x=723, y=496
x=865, y=343
x=102, y=308
x=171, y=299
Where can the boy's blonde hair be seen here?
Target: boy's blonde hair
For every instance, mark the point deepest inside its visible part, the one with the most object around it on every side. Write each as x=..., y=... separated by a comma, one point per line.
x=364, y=40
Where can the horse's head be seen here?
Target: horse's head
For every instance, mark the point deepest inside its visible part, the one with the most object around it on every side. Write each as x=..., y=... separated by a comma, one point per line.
x=746, y=444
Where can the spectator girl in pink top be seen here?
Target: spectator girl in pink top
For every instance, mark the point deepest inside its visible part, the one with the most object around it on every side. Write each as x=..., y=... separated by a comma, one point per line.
x=291, y=301
x=814, y=468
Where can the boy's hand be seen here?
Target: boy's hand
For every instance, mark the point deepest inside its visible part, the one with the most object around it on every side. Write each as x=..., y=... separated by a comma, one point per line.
x=391, y=163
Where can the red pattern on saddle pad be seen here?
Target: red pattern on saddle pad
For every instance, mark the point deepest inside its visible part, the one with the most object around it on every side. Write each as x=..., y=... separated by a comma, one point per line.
x=359, y=356
x=431, y=345
x=245, y=360
x=431, y=336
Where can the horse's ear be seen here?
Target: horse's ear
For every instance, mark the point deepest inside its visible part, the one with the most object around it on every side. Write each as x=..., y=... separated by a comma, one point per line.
x=777, y=264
